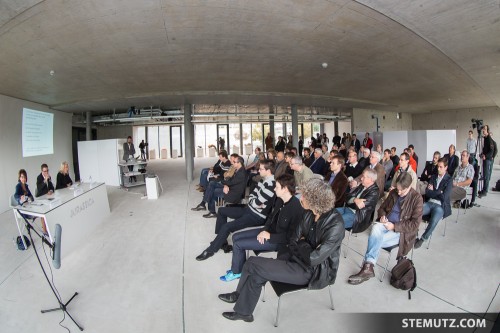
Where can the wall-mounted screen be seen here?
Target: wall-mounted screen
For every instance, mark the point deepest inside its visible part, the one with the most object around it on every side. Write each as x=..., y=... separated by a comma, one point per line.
x=38, y=133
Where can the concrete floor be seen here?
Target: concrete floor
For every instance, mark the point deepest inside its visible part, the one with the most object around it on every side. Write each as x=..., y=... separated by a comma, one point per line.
x=138, y=272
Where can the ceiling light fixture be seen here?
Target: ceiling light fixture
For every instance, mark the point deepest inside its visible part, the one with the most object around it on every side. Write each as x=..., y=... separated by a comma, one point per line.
x=324, y=65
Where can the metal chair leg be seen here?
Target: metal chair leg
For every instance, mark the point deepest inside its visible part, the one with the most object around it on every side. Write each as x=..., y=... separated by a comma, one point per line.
x=331, y=296
x=276, y=322
x=386, y=265
x=347, y=244
x=264, y=293
x=444, y=231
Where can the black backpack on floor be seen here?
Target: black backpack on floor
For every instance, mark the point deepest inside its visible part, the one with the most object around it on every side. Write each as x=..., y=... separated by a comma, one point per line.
x=404, y=276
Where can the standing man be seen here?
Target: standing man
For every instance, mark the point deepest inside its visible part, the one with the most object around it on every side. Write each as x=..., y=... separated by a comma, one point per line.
x=142, y=147
x=487, y=156
x=301, y=145
x=355, y=143
x=128, y=154
x=268, y=141
x=471, y=144
x=280, y=145
x=438, y=194
x=44, y=182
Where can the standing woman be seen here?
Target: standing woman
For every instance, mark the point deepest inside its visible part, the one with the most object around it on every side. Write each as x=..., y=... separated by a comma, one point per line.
x=348, y=141
x=63, y=178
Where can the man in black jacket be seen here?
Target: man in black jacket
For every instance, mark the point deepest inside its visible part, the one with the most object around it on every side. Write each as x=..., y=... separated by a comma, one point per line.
x=438, y=205
x=277, y=231
x=44, y=182
x=453, y=160
x=312, y=258
x=488, y=156
x=360, y=203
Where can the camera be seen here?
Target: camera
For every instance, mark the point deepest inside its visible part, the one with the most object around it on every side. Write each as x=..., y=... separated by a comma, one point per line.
x=478, y=124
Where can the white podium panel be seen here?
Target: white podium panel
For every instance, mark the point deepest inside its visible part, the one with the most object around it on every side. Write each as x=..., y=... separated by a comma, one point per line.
x=199, y=152
x=152, y=188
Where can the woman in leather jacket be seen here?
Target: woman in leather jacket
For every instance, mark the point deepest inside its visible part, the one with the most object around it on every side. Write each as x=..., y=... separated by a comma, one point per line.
x=312, y=258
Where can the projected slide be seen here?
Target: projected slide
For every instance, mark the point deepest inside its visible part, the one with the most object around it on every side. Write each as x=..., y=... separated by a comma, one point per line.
x=38, y=129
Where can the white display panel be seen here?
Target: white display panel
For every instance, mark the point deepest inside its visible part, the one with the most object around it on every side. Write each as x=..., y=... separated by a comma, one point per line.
x=37, y=133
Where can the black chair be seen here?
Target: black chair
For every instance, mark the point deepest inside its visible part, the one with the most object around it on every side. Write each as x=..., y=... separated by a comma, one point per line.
x=281, y=288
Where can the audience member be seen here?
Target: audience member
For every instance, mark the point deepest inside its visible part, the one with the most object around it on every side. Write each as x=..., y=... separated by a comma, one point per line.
x=307, y=158
x=438, y=205
x=387, y=163
x=352, y=169
x=63, y=179
x=277, y=231
x=260, y=203
x=374, y=159
x=462, y=179
x=269, y=141
x=400, y=216
x=355, y=143
x=364, y=161
x=471, y=144
x=367, y=141
x=429, y=170
x=413, y=154
x=404, y=166
x=337, y=180
x=280, y=145
x=361, y=202
x=312, y=258
x=318, y=165
x=301, y=173
x=453, y=160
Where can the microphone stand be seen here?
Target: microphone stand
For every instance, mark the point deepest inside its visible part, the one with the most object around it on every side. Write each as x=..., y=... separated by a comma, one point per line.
x=62, y=306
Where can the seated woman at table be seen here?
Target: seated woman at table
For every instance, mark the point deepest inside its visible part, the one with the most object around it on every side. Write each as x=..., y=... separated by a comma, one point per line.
x=63, y=178
x=23, y=194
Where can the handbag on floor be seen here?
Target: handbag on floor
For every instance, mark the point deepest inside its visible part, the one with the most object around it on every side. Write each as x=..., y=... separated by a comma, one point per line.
x=20, y=245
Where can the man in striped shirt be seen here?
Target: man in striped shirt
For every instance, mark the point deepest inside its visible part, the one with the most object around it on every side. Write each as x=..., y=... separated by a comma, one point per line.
x=260, y=203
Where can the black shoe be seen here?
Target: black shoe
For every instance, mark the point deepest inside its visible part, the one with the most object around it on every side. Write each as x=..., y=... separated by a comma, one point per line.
x=204, y=255
x=418, y=243
x=227, y=248
x=470, y=205
x=237, y=316
x=229, y=298
x=199, y=207
x=209, y=215
x=482, y=194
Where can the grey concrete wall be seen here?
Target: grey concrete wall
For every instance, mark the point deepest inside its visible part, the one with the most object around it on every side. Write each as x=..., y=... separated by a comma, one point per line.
x=11, y=112
x=114, y=132
x=459, y=120
x=362, y=121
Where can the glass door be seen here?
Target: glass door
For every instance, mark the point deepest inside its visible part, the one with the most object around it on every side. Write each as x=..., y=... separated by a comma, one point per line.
x=175, y=141
x=223, y=137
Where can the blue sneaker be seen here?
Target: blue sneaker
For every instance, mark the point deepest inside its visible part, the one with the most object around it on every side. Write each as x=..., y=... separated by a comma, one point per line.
x=230, y=276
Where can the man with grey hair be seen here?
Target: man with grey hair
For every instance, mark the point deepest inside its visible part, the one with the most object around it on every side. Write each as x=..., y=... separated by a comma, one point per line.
x=379, y=169
x=365, y=159
x=462, y=178
x=318, y=165
x=360, y=203
x=301, y=173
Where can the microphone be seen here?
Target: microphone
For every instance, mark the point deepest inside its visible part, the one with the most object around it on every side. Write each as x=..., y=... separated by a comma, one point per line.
x=56, y=260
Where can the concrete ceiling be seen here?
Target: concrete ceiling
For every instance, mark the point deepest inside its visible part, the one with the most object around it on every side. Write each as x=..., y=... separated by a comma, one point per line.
x=406, y=56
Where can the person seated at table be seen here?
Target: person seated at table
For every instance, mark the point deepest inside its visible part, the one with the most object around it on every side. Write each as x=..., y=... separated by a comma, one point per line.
x=63, y=179
x=23, y=194
x=44, y=182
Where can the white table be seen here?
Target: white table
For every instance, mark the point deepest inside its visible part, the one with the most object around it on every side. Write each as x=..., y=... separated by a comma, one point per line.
x=78, y=209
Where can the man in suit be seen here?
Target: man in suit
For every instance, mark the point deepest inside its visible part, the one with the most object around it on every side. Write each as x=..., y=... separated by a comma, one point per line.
x=44, y=182
x=128, y=154
x=438, y=194
x=453, y=160
x=355, y=143
x=318, y=165
x=379, y=169
x=337, y=180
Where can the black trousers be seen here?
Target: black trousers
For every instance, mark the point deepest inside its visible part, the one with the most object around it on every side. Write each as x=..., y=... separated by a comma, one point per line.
x=245, y=218
x=247, y=240
x=257, y=271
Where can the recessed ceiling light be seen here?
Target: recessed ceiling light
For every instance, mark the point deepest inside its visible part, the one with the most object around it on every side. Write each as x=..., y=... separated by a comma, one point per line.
x=324, y=65
x=52, y=73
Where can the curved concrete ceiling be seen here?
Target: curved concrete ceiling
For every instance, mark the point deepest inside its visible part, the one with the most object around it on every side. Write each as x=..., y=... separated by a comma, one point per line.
x=405, y=56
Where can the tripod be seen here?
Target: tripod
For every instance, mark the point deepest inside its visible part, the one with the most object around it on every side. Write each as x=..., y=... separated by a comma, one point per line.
x=62, y=306
x=479, y=149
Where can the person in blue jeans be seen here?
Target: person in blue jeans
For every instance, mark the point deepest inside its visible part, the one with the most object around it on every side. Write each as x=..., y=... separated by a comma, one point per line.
x=275, y=234
x=438, y=194
x=400, y=215
x=488, y=155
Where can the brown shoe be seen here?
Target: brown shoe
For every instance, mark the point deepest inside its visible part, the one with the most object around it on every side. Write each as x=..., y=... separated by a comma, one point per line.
x=364, y=274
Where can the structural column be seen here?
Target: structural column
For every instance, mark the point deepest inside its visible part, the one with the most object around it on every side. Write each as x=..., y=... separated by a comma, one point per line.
x=295, y=126
x=271, y=124
x=88, y=127
x=189, y=140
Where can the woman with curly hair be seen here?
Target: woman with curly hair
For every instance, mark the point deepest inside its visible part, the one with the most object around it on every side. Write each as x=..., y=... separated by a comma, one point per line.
x=311, y=258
